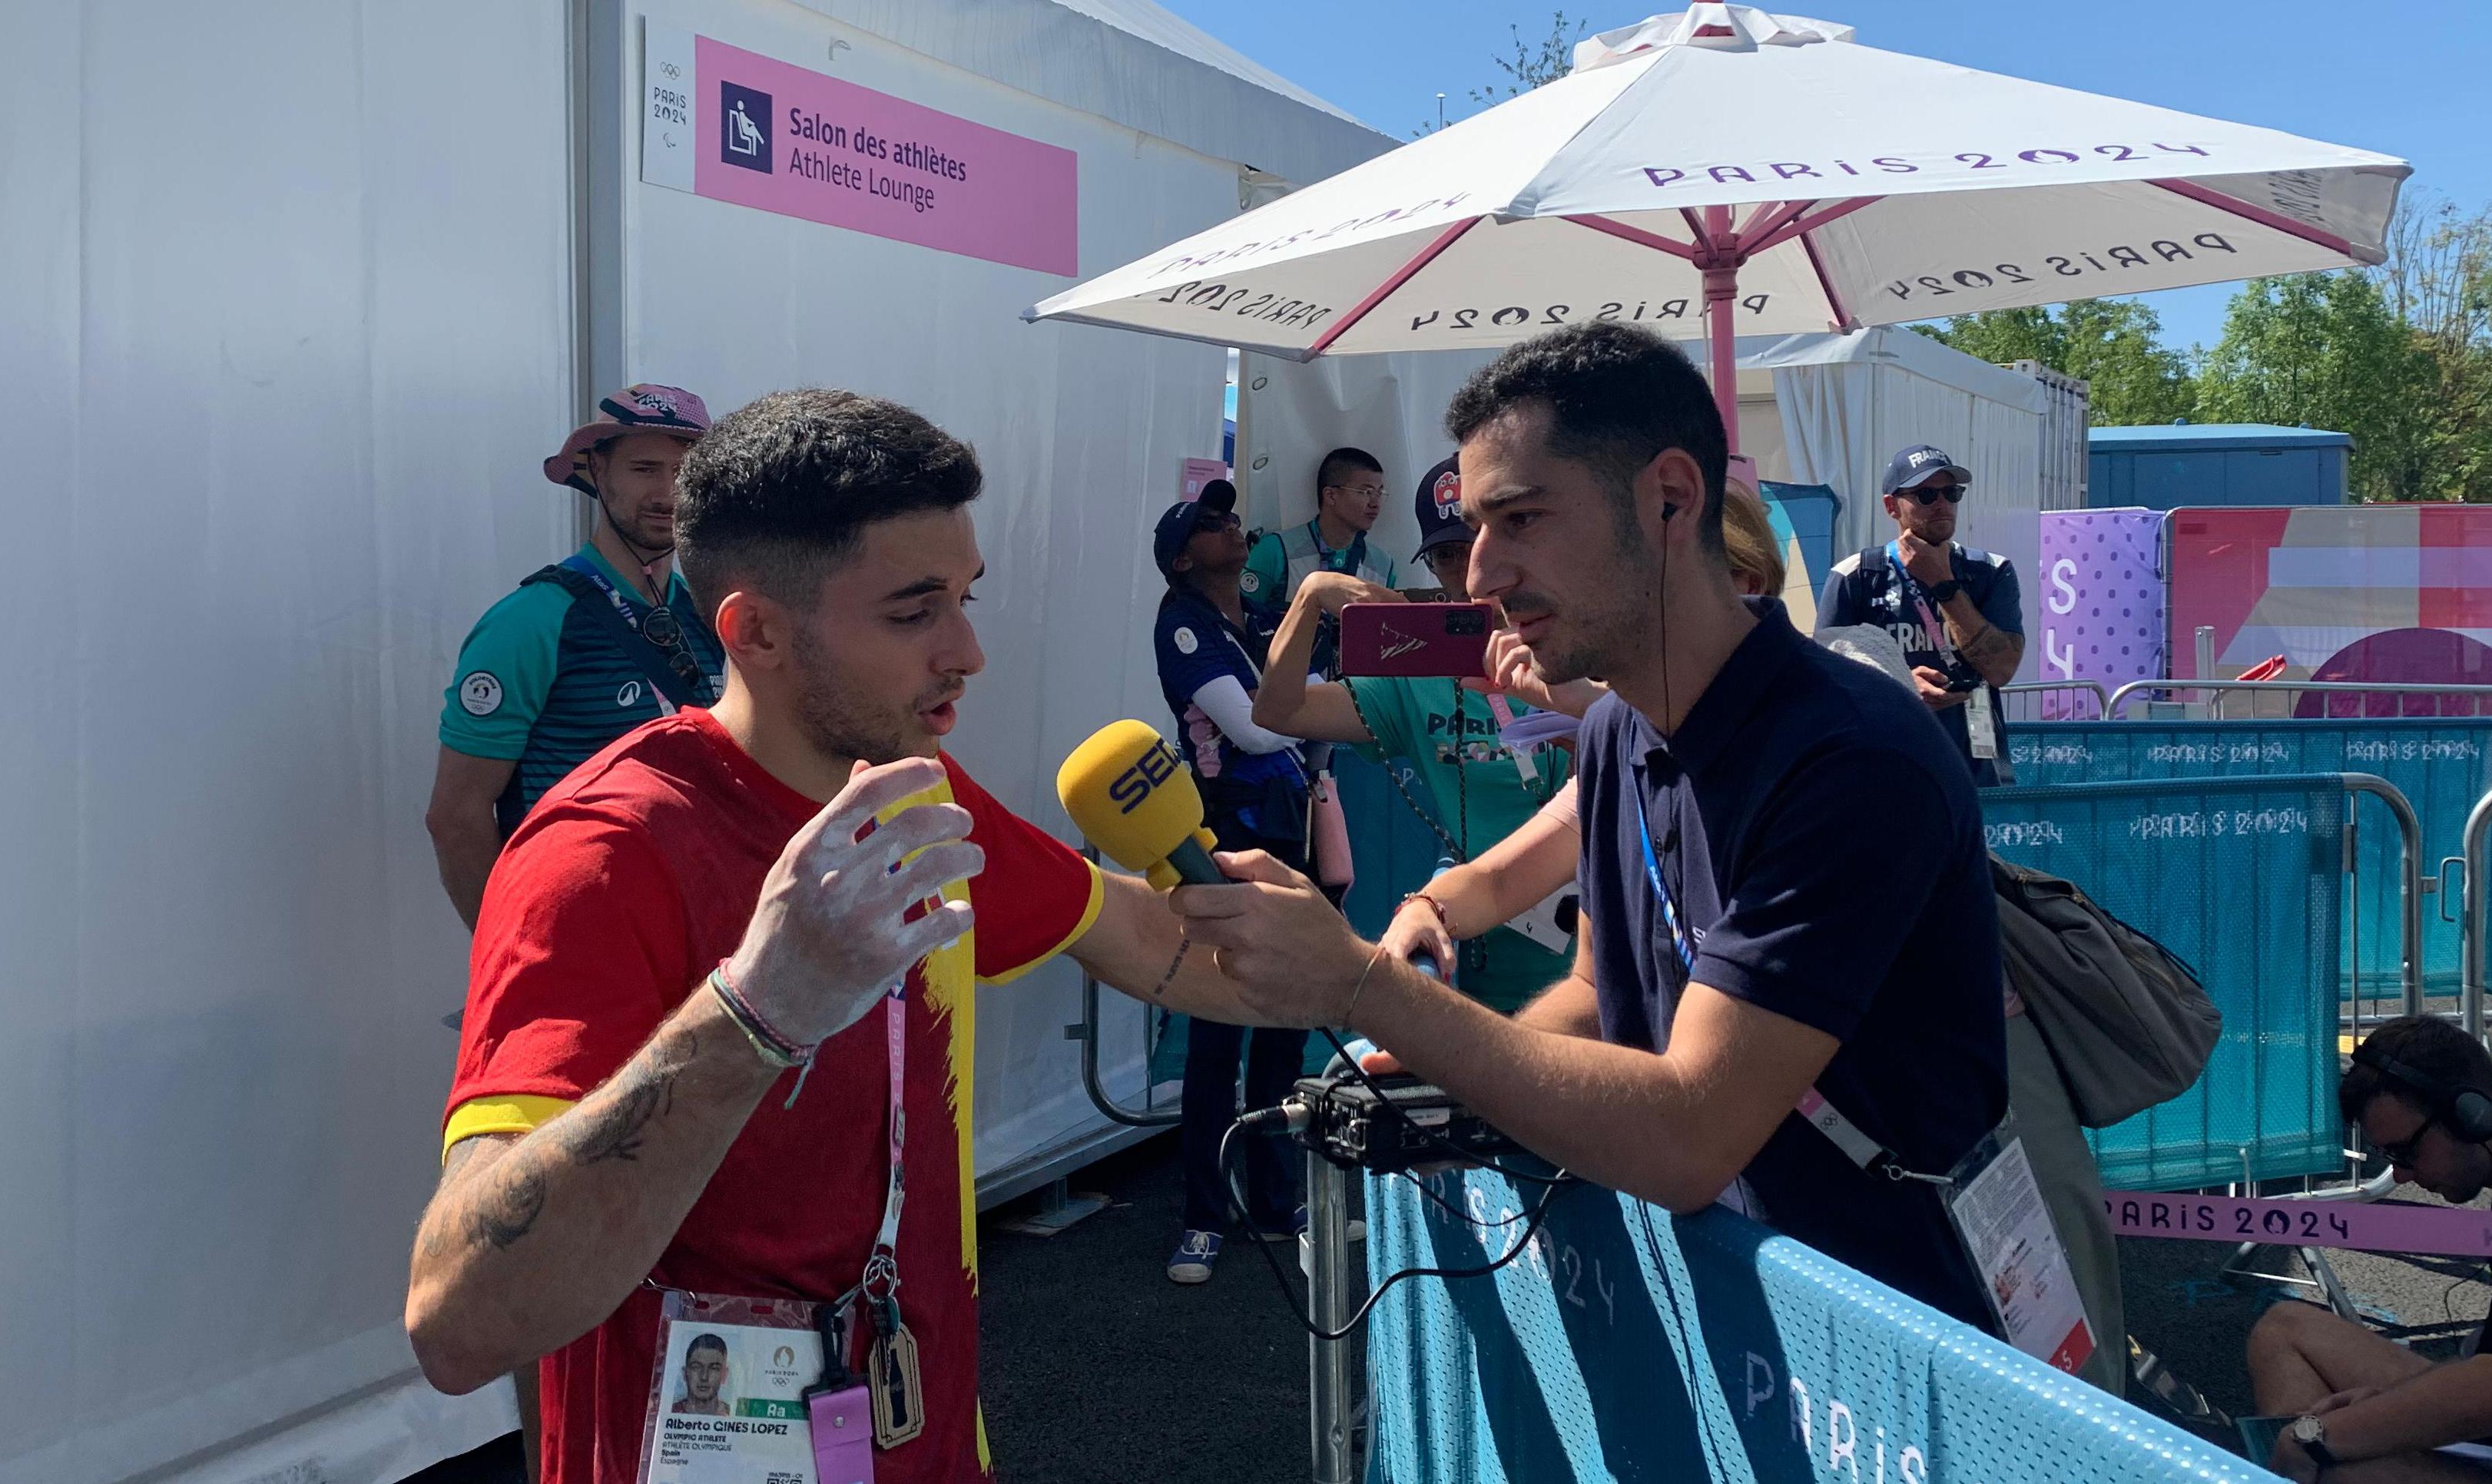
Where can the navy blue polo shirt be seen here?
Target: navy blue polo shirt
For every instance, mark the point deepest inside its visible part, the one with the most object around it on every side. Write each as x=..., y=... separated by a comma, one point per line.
x=1823, y=843
x=1195, y=643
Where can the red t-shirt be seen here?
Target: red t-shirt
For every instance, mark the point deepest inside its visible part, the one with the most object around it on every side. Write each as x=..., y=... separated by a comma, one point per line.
x=623, y=888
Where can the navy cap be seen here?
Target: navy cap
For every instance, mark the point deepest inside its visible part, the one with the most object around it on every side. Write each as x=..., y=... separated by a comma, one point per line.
x=1177, y=522
x=1918, y=463
x=1438, y=506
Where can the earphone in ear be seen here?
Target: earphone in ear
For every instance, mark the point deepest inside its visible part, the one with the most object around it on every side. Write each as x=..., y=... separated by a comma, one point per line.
x=1668, y=511
x=2465, y=1111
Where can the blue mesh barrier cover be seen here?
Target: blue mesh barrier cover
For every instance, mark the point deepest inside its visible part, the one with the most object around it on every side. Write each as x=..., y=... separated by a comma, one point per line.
x=2441, y=764
x=1631, y=1346
x=2244, y=879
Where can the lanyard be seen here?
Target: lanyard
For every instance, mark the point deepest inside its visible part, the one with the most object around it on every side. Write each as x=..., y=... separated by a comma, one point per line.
x=589, y=571
x=1814, y=1110
x=881, y=1281
x=1911, y=588
x=1352, y=556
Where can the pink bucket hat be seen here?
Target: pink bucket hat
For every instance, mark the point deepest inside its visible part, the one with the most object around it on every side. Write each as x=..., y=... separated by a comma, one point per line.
x=645, y=407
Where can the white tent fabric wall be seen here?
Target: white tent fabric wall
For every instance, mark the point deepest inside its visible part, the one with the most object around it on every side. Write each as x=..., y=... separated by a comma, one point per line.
x=1849, y=402
x=1081, y=432
x=280, y=386
x=1290, y=414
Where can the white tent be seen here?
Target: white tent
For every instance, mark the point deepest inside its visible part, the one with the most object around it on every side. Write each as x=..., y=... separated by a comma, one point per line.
x=1846, y=404
x=284, y=358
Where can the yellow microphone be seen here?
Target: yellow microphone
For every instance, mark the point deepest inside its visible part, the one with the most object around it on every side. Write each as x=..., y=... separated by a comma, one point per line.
x=1130, y=796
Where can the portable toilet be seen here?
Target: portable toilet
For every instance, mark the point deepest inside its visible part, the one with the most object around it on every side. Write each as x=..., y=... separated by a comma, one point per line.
x=2166, y=465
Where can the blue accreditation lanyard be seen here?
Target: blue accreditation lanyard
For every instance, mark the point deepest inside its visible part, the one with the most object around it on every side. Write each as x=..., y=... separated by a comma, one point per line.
x=1661, y=892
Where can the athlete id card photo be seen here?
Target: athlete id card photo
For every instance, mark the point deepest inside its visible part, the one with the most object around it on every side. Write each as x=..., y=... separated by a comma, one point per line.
x=726, y=1402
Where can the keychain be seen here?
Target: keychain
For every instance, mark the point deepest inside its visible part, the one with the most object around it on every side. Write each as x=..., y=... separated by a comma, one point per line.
x=891, y=1369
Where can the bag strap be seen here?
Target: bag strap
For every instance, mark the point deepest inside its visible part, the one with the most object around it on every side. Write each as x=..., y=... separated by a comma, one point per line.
x=636, y=646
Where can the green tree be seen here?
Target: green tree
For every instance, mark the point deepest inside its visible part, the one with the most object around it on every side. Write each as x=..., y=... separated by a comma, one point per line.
x=1532, y=64
x=2114, y=344
x=2324, y=350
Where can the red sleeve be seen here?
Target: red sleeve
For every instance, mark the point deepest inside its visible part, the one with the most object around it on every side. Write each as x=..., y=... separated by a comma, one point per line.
x=1036, y=896
x=578, y=956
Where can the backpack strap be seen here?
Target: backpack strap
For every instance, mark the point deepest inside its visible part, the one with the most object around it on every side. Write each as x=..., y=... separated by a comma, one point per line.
x=587, y=593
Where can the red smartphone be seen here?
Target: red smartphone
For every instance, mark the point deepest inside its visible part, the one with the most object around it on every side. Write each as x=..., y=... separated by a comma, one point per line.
x=1416, y=639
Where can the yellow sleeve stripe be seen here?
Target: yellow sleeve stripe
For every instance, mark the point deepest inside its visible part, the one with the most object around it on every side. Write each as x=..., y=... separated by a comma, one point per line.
x=1089, y=915
x=513, y=1114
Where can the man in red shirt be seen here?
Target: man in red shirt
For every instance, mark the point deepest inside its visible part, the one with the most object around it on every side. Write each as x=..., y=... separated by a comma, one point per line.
x=623, y=1121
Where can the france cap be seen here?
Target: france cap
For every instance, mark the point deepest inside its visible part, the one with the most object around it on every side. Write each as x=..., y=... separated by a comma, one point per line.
x=1918, y=463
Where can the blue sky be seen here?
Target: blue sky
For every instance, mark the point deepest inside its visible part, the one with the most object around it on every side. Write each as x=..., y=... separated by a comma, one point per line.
x=2412, y=78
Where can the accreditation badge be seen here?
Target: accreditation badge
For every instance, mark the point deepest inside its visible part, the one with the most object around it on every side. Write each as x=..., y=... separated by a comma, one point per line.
x=2000, y=1215
x=1981, y=725
x=728, y=1393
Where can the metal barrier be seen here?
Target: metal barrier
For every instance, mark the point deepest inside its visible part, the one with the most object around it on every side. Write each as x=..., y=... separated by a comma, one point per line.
x=1324, y=1253
x=2243, y=877
x=2471, y=924
x=1086, y=1032
x=1625, y=1343
x=2478, y=697
x=2077, y=701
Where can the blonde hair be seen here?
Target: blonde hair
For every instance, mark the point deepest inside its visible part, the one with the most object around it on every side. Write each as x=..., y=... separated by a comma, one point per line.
x=1748, y=540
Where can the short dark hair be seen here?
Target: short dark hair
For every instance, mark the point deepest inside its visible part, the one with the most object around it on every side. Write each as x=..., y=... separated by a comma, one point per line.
x=1341, y=462
x=2424, y=1043
x=705, y=1343
x=784, y=486
x=1618, y=395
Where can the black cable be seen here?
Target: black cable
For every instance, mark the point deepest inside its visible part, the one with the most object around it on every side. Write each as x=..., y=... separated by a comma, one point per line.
x=1431, y=1136
x=1358, y=1316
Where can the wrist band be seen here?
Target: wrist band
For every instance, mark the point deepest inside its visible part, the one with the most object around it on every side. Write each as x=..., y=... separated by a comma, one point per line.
x=1445, y=919
x=772, y=1047
x=1360, y=988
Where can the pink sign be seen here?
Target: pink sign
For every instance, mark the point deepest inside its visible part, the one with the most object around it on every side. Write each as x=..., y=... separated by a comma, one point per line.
x=1200, y=472
x=2444, y=1231
x=783, y=140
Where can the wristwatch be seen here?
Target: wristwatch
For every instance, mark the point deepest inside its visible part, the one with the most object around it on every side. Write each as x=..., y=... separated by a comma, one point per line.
x=2312, y=1434
x=1946, y=590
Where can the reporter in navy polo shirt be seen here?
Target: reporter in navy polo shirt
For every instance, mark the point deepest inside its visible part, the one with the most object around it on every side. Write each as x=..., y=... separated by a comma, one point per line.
x=1783, y=864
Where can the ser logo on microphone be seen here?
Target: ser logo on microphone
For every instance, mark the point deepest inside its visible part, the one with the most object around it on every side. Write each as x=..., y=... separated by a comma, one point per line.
x=1148, y=771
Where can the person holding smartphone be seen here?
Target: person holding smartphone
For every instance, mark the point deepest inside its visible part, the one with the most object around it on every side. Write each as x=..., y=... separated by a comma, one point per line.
x=1955, y=610
x=1480, y=791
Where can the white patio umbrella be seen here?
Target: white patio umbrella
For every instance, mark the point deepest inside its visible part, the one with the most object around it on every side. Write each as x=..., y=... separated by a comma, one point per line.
x=1727, y=170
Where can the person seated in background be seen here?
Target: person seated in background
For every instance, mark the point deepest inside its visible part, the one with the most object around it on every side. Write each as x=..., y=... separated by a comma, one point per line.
x=2366, y=1409
x=1482, y=789
x=1954, y=609
x=1541, y=857
x=1210, y=645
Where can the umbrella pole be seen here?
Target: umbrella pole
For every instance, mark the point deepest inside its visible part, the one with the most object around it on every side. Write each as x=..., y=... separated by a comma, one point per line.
x=1719, y=258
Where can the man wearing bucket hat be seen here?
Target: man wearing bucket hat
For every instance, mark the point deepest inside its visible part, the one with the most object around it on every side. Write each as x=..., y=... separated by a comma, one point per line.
x=586, y=650
x=1954, y=609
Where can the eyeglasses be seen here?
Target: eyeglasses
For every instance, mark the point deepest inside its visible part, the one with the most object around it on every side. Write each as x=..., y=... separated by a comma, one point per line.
x=659, y=627
x=1931, y=494
x=1457, y=553
x=1363, y=492
x=2402, y=1151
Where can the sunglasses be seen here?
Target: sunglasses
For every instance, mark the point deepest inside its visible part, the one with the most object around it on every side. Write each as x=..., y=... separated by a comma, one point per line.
x=1456, y=553
x=660, y=627
x=1928, y=495
x=1216, y=521
x=2402, y=1151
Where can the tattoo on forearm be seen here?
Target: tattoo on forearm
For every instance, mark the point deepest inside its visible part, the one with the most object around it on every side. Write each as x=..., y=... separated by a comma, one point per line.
x=508, y=1207
x=1991, y=642
x=641, y=1091
x=1184, y=943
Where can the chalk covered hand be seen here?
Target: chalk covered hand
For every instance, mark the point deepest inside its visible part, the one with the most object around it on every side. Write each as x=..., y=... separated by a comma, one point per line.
x=833, y=930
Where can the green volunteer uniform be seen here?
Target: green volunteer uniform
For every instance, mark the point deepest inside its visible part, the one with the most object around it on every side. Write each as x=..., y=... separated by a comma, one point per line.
x=1479, y=800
